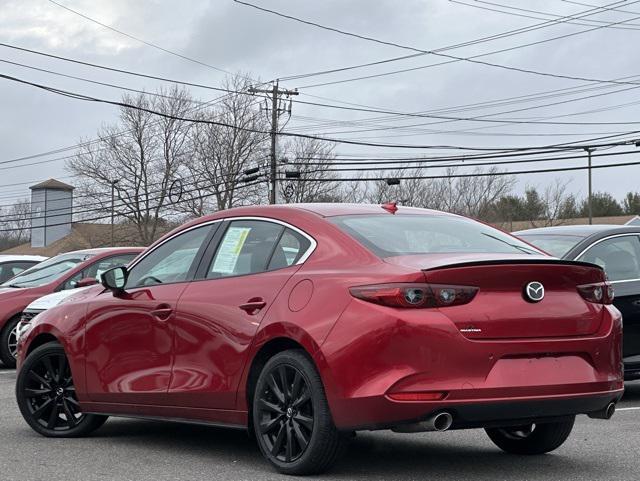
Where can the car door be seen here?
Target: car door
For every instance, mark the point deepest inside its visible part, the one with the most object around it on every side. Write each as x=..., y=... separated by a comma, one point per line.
x=129, y=336
x=620, y=257
x=219, y=313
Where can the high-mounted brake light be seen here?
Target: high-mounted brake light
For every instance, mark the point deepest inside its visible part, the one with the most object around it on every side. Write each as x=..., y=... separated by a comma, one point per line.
x=415, y=295
x=598, y=293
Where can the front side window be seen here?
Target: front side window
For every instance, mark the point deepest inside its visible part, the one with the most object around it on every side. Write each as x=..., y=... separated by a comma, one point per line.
x=246, y=248
x=170, y=262
x=618, y=256
x=398, y=235
x=48, y=271
x=96, y=269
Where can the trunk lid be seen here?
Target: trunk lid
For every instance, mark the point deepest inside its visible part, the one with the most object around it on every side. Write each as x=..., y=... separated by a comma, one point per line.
x=502, y=309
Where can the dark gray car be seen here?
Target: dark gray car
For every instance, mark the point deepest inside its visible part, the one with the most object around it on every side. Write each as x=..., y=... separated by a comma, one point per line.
x=617, y=250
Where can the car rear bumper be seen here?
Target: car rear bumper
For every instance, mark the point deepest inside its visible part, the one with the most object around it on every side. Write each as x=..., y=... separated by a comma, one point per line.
x=482, y=383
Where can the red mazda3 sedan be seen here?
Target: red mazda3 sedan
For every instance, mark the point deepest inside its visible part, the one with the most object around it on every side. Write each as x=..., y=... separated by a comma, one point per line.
x=305, y=323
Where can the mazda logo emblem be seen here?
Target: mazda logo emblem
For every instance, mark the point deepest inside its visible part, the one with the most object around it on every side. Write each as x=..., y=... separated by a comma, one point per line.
x=534, y=291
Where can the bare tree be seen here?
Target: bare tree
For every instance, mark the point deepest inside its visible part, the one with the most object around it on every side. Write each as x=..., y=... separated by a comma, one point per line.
x=313, y=157
x=17, y=222
x=222, y=154
x=144, y=153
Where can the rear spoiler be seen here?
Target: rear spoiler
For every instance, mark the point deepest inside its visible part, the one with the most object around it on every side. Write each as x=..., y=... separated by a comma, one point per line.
x=496, y=262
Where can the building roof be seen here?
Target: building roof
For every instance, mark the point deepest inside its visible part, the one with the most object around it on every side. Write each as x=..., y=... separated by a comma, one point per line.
x=52, y=184
x=82, y=236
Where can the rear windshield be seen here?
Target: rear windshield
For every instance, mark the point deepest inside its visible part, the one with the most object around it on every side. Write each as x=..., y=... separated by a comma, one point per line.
x=397, y=235
x=556, y=245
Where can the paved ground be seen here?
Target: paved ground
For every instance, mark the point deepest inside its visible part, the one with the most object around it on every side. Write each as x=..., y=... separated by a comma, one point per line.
x=140, y=450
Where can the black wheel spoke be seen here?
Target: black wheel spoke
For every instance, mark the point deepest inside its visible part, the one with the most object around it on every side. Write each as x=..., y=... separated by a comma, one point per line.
x=52, y=374
x=267, y=427
x=305, y=421
x=36, y=392
x=297, y=384
x=53, y=416
x=282, y=372
x=303, y=398
x=63, y=367
x=39, y=379
x=40, y=410
x=71, y=399
x=302, y=439
x=269, y=406
x=277, y=445
x=71, y=419
x=289, y=447
x=275, y=389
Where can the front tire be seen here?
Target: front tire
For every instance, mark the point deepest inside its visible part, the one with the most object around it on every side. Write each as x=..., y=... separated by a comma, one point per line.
x=47, y=398
x=532, y=438
x=291, y=416
x=9, y=342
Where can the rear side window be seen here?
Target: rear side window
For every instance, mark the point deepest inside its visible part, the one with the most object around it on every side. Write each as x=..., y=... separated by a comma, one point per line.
x=618, y=256
x=290, y=248
x=397, y=235
x=245, y=248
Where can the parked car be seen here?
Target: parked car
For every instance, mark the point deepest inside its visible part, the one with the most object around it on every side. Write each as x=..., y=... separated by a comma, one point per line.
x=12, y=265
x=65, y=271
x=617, y=250
x=385, y=317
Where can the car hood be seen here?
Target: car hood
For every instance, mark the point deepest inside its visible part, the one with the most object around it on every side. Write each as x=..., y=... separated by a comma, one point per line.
x=8, y=292
x=50, y=300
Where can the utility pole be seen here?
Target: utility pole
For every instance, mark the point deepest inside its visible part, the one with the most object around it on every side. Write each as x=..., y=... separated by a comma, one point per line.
x=113, y=208
x=589, y=208
x=275, y=94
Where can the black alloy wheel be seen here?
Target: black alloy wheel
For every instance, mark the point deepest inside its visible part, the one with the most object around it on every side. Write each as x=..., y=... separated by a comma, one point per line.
x=291, y=416
x=47, y=398
x=286, y=413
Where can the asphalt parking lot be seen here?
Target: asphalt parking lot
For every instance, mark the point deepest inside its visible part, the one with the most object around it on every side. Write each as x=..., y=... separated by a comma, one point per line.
x=125, y=449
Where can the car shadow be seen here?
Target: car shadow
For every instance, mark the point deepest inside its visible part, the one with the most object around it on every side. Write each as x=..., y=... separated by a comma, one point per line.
x=377, y=455
x=631, y=391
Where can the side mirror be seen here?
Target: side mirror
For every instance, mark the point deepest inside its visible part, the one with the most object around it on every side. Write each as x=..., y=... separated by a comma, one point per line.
x=114, y=279
x=87, y=281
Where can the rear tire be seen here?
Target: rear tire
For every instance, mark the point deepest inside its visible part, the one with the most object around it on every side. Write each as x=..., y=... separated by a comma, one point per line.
x=291, y=417
x=533, y=438
x=47, y=398
x=9, y=342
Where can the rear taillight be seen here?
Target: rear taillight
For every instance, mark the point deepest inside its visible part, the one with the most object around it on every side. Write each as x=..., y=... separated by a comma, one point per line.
x=415, y=295
x=599, y=292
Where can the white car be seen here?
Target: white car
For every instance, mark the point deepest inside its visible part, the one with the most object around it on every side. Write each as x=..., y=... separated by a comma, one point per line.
x=12, y=265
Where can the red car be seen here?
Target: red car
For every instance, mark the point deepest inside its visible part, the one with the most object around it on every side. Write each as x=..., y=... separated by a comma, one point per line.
x=305, y=323
x=65, y=271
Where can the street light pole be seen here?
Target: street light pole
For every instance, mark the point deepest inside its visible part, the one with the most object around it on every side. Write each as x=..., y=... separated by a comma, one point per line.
x=113, y=208
x=589, y=196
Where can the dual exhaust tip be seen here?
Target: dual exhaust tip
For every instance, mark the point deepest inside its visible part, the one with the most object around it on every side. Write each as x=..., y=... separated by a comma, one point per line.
x=437, y=422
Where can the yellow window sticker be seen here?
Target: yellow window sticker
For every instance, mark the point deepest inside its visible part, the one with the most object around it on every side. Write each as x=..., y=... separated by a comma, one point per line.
x=230, y=249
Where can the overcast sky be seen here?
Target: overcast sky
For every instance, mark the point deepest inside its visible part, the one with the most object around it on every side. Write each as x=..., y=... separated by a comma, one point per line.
x=236, y=38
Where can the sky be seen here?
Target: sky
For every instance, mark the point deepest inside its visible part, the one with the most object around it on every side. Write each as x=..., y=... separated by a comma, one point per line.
x=230, y=37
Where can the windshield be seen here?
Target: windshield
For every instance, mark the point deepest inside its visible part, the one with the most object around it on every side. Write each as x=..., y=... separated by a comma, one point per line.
x=399, y=235
x=556, y=245
x=47, y=271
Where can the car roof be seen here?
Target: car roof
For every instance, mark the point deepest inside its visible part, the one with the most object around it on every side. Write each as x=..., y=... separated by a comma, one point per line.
x=105, y=250
x=20, y=257
x=584, y=230
x=323, y=210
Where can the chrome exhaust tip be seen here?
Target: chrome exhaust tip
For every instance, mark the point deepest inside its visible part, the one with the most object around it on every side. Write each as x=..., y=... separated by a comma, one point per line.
x=606, y=413
x=438, y=422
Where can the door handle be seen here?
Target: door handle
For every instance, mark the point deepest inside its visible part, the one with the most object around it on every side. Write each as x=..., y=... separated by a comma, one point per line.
x=162, y=312
x=253, y=306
